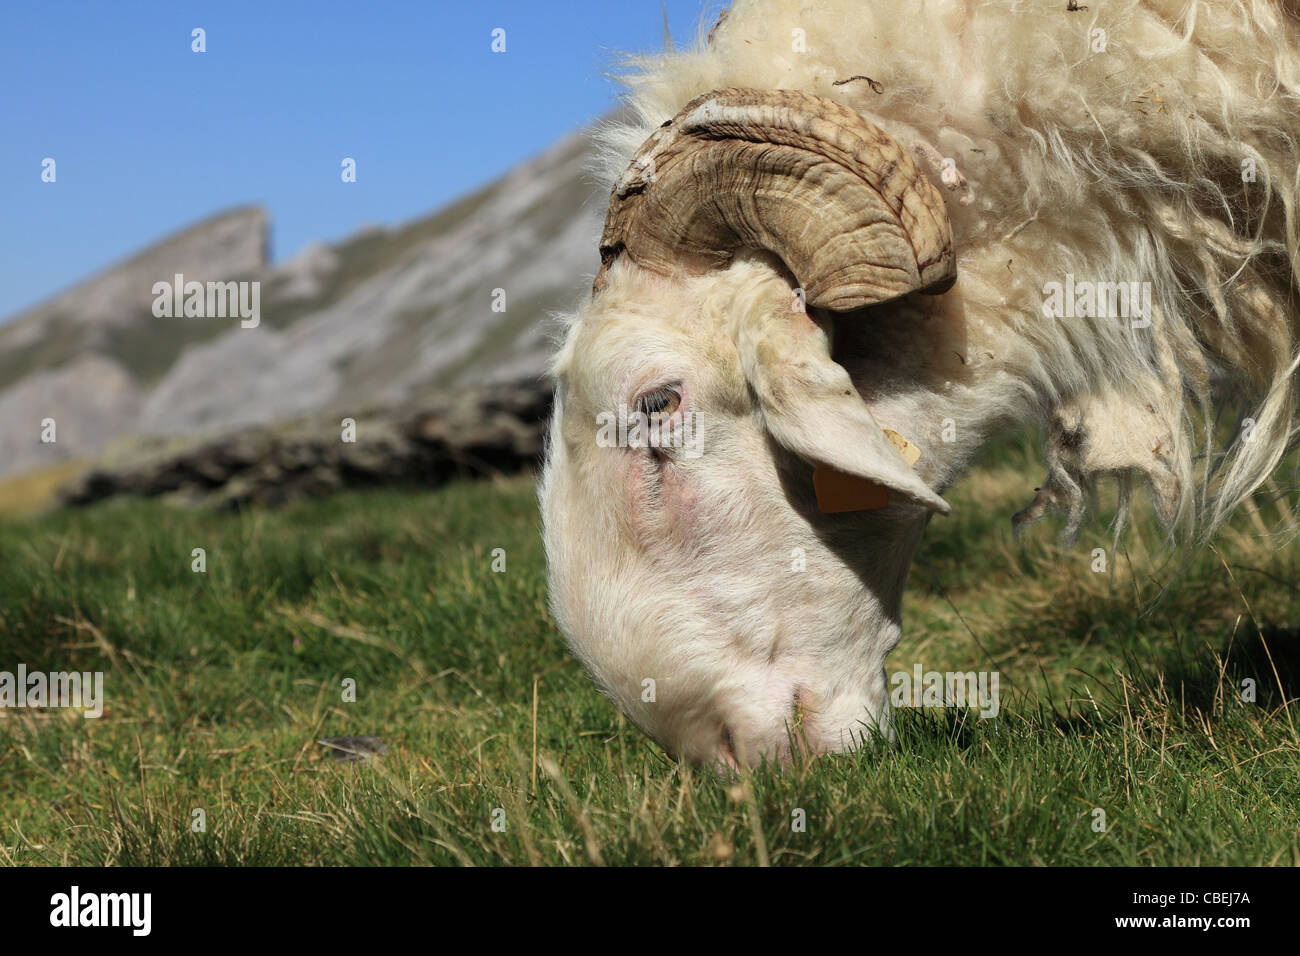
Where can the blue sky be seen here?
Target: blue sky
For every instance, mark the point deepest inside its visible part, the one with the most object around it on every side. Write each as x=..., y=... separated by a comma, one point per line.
x=149, y=136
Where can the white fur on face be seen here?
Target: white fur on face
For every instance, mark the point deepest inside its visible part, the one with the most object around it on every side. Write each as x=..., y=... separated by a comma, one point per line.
x=715, y=577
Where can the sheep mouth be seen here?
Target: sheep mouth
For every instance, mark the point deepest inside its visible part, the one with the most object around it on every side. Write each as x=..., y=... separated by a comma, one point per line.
x=726, y=753
x=783, y=747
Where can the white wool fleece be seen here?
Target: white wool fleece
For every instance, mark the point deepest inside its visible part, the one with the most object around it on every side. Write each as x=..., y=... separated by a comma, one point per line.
x=1107, y=143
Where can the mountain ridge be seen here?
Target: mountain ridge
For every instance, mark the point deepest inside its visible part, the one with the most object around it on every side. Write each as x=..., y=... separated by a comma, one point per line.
x=457, y=297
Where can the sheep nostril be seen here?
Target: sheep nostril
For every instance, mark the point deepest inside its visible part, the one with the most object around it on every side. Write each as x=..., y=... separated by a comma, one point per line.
x=727, y=750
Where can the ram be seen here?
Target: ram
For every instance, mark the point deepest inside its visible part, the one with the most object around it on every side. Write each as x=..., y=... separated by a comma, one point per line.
x=847, y=244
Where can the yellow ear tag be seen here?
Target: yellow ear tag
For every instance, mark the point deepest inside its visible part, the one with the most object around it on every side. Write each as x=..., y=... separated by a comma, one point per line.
x=838, y=492
x=905, y=448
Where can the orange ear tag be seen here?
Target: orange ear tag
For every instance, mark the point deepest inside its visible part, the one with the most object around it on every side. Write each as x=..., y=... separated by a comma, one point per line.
x=838, y=492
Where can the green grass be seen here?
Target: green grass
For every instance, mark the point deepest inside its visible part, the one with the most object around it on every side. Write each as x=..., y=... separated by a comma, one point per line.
x=218, y=685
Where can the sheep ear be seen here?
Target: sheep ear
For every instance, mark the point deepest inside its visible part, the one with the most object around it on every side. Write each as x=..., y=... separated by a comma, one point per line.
x=810, y=407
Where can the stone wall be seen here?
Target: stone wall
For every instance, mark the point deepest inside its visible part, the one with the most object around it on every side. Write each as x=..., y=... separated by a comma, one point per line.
x=470, y=432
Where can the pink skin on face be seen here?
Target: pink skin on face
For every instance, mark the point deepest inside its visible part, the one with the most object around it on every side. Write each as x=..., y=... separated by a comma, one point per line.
x=656, y=486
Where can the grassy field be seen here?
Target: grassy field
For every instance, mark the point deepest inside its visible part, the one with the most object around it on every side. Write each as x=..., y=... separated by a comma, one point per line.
x=219, y=685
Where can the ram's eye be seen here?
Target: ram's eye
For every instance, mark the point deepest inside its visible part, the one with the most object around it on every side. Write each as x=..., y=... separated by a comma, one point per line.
x=660, y=403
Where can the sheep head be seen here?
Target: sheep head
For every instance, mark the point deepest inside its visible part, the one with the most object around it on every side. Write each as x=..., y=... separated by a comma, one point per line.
x=692, y=569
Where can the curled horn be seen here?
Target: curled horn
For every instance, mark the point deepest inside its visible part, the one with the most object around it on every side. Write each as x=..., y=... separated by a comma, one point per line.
x=835, y=197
